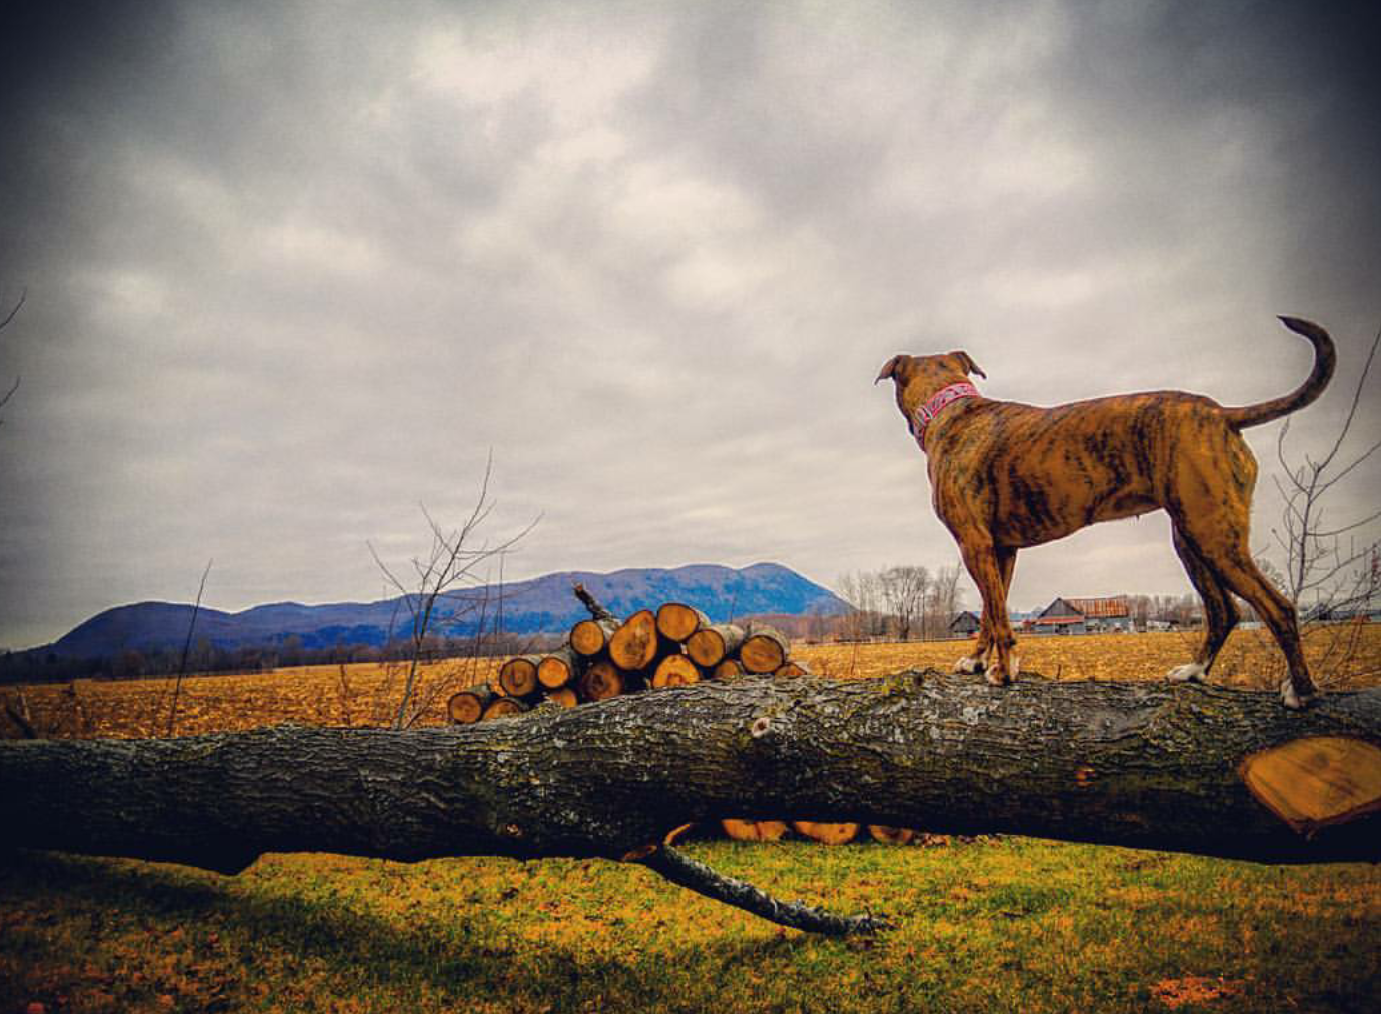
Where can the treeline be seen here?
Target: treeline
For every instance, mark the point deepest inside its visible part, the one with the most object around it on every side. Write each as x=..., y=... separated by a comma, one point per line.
x=905, y=603
x=205, y=658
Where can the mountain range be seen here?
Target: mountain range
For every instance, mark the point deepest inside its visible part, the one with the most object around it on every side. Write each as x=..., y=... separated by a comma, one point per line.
x=542, y=605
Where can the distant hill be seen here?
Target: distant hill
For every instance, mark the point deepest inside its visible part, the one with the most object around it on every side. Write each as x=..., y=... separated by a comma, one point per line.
x=543, y=605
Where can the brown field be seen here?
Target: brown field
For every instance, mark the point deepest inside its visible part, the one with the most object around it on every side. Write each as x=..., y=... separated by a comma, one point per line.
x=365, y=694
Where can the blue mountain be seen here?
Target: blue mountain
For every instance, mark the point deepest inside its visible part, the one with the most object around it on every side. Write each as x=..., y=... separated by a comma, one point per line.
x=542, y=605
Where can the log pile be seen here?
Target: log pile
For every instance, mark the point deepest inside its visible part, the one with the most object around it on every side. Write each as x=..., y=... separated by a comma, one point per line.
x=674, y=645
x=605, y=656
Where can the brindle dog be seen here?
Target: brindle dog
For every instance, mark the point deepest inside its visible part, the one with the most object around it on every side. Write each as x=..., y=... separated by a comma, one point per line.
x=1005, y=476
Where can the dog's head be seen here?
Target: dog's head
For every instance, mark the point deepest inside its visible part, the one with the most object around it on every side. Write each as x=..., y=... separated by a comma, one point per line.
x=919, y=377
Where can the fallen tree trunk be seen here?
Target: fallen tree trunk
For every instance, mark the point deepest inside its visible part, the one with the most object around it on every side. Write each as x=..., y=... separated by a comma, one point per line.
x=1134, y=764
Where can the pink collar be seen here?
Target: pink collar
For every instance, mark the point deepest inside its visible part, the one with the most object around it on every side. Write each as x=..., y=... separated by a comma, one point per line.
x=926, y=414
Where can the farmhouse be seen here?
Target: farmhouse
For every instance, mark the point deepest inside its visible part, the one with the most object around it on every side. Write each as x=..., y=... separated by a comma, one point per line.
x=964, y=624
x=1083, y=616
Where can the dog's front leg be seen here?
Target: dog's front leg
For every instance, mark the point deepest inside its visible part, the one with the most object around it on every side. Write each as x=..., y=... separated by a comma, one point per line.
x=991, y=568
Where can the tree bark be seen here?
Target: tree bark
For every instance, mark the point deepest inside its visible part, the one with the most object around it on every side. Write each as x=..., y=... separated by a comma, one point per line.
x=1133, y=764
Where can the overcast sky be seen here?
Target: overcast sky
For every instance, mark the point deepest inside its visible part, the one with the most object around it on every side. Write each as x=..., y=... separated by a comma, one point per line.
x=294, y=268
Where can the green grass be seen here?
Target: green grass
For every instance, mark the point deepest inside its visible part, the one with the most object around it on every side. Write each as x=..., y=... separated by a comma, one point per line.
x=1012, y=924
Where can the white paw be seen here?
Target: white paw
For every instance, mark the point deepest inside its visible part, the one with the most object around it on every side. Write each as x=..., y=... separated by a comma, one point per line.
x=969, y=664
x=1014, y=666
x=1194, y=672
x=1293, y=700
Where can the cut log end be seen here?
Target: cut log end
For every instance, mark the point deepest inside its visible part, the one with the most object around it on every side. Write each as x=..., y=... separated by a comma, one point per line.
x=565, y=697
x=755, y=830
x=634, y=645
x=518, y=676
x=504, y=707
x=711, y=645
x=556, y=670
x=891, y=835
x=675, y=671
x=765, y=650
x=828, y=834
x=730, y=668
x=467, y=707
x=588, y=637
x=1316, y=781
x=677, y=621
x=601, y=681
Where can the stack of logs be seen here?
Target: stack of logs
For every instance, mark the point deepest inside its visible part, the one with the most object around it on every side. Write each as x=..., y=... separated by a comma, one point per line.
x=674, y=646
x=605, y=656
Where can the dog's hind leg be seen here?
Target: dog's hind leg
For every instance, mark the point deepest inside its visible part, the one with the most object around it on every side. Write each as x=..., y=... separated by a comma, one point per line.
x=1220, y=614
x=1230, y=560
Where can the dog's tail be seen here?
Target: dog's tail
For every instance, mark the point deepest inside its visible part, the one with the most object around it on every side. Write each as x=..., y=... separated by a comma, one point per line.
x=1325, y=358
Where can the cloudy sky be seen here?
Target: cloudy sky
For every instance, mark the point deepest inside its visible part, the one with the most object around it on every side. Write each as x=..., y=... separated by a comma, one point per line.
x=293, y=269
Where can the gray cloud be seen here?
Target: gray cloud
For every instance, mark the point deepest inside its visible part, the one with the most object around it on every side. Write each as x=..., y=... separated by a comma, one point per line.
x=294, y=268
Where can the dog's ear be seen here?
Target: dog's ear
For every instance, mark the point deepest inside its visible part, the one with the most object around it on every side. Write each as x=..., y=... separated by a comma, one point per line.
x=967, y=364
x=889, y=368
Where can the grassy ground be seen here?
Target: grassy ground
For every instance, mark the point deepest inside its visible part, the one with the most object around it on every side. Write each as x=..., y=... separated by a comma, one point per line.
x=997, y=924
x=1008, y=924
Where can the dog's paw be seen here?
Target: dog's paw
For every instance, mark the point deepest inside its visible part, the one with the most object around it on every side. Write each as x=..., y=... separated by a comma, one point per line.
x=1193, y=672
x=1294, y=700
x=997, y=678
x=969, y=664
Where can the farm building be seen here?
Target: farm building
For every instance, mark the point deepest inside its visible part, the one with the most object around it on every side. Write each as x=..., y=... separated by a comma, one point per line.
x=964, y=624
x=1083, y=616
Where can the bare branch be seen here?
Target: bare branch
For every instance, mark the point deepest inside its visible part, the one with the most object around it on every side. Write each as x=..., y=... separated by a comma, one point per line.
x=1356, y=397
x=186, y=647
x=1361, y=458
x=23, y=294
x=686, y=872
x=4, y=324
x=1347, y=528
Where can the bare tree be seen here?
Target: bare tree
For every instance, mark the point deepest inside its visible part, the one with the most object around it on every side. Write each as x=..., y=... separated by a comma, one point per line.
x=870, y=602
x=945, y=599
x=1325, y=578
x=453, y=565
x=1318, y=566
x=904, y=592
x=847, y=586
x=4, y=399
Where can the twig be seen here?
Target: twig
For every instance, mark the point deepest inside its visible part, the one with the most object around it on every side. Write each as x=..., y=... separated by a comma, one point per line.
x=186, y=647
x=21, y=716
